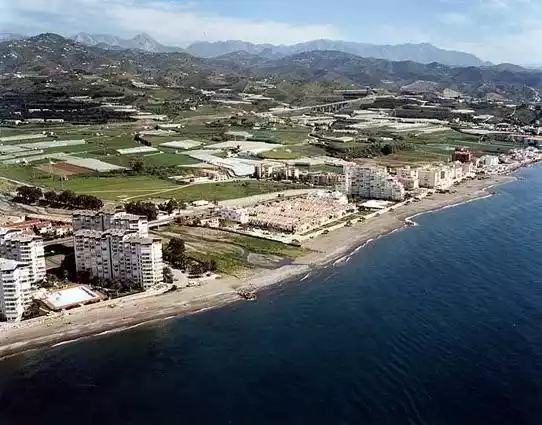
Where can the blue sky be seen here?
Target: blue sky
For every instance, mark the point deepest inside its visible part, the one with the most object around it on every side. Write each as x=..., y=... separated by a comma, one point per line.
x=496, y=30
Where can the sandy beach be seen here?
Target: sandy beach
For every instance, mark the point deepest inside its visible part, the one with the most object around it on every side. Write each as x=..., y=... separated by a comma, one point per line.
x=119, y=314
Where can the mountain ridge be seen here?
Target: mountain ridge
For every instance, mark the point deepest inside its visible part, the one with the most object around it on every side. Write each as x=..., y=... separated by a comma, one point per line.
x=141, y=41
x=51, y=54
x=422, y=52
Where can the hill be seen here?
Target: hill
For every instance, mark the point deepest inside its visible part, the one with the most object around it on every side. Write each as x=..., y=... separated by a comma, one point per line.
x=352, y=69
x=422, y=53
x=51, y=54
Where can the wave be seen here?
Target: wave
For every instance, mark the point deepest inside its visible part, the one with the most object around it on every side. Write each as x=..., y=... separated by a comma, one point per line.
x=59, y=344
x=305, y=277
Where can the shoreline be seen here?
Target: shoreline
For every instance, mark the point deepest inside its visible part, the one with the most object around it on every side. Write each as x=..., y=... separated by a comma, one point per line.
x=122, y=314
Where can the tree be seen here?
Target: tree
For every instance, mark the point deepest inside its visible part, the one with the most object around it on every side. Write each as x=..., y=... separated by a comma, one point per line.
x=147, y=209
x=67, y=198
x=172, y=205
x=138, y=165
x=51, y=197
x=387, y=149
x=175, y=252
x=29, y=194
x=211, y=265
x=168, y=275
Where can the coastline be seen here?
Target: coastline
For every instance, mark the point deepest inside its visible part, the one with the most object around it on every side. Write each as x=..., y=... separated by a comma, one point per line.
x=121, y=314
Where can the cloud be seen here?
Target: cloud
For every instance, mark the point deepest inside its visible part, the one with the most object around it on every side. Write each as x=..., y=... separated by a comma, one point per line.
x=169, y=22
x=454, y=18
x=503, y=4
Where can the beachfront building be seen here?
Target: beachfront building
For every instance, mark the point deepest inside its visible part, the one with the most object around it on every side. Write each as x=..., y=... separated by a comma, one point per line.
x=293, y=215
x=372, y=182
x=489, y=161
x=24, y=248
x=469, y=170
x=15, y=282
x=408, y=177
x=444, y=176
x=299, y=215
x=429, y=177
x=463, y=155
x=102, y=221
x=326, y=179
x=120, y=255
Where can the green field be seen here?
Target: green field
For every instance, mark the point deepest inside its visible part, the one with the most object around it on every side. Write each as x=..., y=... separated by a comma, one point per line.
x=230, y=190
x=289, y=136
x=116, y=188
x=119, y=188
x=150, y=160
x=224, y=191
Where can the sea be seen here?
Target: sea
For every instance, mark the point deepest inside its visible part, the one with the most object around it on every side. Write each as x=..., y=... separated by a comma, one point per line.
x=439, y=323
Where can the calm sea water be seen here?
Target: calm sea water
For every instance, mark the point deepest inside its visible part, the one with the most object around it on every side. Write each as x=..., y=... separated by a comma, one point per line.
x=437, y=324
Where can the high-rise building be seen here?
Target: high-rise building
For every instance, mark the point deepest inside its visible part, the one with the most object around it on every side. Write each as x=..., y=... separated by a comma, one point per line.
x=409, y=177
x=372, y=182
x=25, y=248
x=463, y=155
x=119, y=254
x=102, y=221
x=15, y=282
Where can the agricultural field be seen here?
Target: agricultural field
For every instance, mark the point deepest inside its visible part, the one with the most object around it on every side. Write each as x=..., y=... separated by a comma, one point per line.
x=230, y=190
x=290, y=135
x=221, y=191
x=149, y=160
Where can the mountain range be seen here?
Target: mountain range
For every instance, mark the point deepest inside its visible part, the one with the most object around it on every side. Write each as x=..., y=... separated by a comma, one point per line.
x=52, y=54
x=141, y=41
x=422, y=53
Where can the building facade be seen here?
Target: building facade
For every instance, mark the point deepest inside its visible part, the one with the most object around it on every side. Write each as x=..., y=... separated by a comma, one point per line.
x=122, y=255
x=102, y=221
x=408, y=177
x=373, y=183
x=463, y=155
x=15, y=283
x=24, y=248
x=117, y=247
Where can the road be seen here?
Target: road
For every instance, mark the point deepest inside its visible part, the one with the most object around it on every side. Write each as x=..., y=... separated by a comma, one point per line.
x=68, y=241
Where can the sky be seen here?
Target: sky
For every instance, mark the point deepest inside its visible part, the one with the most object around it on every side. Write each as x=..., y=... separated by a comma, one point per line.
x=494, y=30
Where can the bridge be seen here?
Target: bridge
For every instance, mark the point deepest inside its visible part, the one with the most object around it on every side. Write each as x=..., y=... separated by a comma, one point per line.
x=326, y=107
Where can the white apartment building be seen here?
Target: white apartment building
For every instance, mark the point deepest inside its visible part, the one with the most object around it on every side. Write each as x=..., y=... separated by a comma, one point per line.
x=429, y=177
x=118, y=254
x=457, y=171
x=468, y=169
x=408, y=177
x=489, y=161
x=15, y=283
x=24, y=248
x=373, y=182
x=102, y=221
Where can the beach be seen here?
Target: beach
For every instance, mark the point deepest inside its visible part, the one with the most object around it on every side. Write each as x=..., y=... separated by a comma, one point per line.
x=116, y=315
